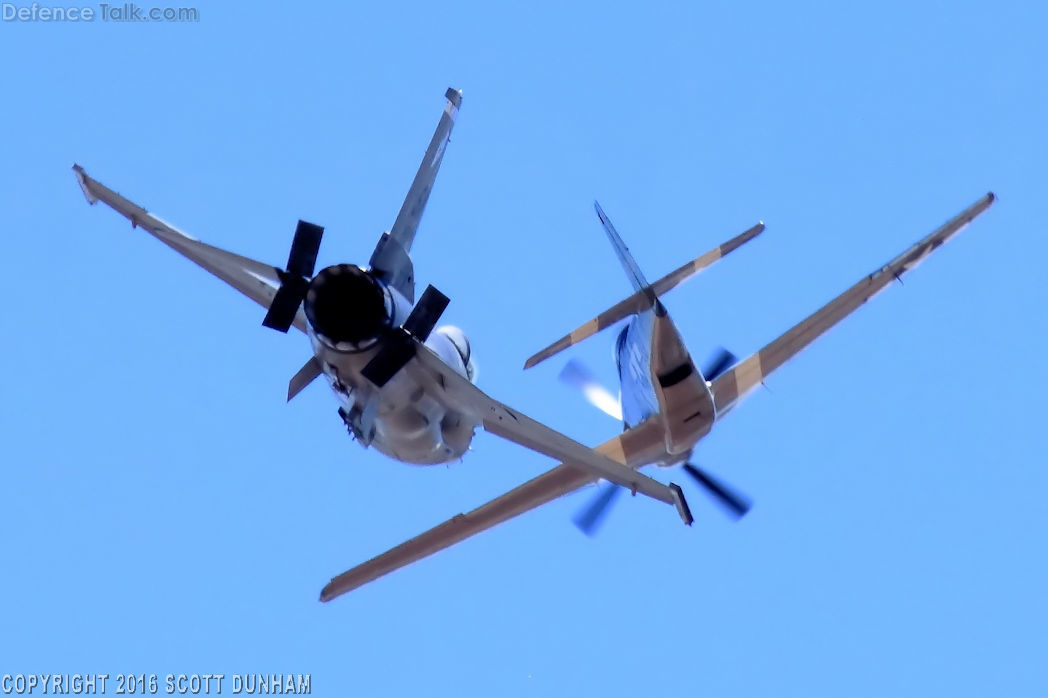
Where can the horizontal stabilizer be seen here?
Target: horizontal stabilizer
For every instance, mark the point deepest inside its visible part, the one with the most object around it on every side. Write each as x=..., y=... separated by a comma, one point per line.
x=306, y=375
x=641, y=300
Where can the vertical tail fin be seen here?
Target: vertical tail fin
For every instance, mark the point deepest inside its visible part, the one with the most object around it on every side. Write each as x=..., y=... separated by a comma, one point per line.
x=628, y=263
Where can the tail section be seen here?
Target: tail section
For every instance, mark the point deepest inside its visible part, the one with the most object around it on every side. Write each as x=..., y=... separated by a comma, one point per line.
x=656, y=371
x=645, y=295
x=628, y=263
x=391, y=259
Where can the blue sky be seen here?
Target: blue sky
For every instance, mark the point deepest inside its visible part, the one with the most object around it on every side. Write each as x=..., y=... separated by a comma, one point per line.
x=164, y=511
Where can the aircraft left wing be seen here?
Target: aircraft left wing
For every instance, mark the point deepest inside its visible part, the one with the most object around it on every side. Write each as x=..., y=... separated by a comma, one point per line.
x=732, y=385
x=635, y=447
x=256, y=280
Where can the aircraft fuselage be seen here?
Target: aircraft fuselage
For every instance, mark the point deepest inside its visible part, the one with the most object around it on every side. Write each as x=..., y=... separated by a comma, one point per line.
x=658, y=377
x=349, y=312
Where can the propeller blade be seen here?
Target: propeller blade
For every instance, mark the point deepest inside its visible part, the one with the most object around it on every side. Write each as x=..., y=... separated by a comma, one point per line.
x=590, y=518
x=736, y=503
x=303, y=257
x=424, y=316
x=399, y=347
x=718, y=363
x=578, y=376
x=295, y=281
x=396, y=351
x=285, y=303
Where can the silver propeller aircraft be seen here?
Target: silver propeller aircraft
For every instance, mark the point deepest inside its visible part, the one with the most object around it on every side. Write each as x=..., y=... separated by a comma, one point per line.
x=406, y=387
x=658, y=379
x=403, y=387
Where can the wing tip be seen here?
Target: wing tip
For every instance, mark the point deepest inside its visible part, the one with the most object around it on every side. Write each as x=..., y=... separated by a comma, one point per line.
x=980, y=206
x=681, y=504
x=550, y=351
x=454, y=96
x=753, y=232
x=332, y=590
x=81, y=179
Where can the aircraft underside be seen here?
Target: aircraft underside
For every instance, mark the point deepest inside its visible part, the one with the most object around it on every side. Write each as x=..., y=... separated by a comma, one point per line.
x=348, y=313
x=657, y=377
x=402, y=420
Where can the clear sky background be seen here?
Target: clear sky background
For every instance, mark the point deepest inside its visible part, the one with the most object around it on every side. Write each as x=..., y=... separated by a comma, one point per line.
x=163, y=510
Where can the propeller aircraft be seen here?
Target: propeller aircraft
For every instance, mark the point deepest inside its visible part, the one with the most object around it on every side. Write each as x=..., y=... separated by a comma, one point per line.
x=406, y=387
x=658, y=379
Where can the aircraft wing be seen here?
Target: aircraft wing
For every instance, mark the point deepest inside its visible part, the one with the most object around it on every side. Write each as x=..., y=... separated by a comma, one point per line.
x=732, y=385
x=637, y=446
x=391, y=259
x=256, y=280
x=459, y=394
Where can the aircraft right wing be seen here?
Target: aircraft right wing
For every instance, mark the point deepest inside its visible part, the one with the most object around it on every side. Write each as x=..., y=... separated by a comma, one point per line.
x=457, y=393
x=256, y=280
x=391, y=259
x=732, y=385
x=635, y=447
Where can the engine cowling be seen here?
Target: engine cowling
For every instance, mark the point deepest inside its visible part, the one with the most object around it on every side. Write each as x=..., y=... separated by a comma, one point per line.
x=348, y=307
x=460, y=341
